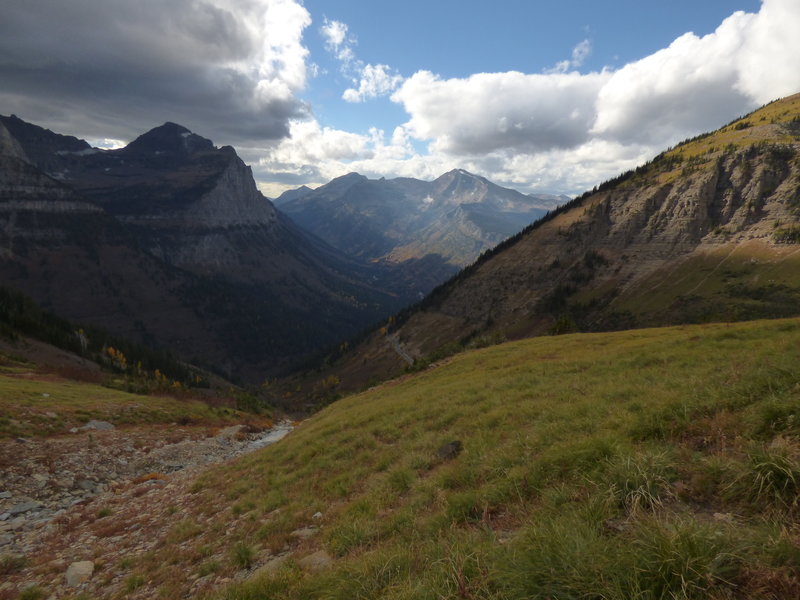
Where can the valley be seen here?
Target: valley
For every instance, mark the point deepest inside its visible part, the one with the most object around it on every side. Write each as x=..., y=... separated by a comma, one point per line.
x=603, y=404
x=308, y=300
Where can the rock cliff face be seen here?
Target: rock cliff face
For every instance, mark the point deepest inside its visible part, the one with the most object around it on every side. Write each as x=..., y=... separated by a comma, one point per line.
x=707, y=231
x=168, y=241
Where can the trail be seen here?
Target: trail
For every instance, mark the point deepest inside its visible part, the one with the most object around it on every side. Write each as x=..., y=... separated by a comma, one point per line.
x=395, y=345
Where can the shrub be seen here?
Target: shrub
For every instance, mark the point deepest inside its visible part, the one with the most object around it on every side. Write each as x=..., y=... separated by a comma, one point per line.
x=33, y=592
x=681, y=559
x=641, y=482
x=134, y=582
x=12, y=563
x=243, y=555
x=772, y=476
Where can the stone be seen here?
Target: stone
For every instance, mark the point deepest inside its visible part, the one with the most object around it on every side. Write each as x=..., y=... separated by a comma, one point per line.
x=4, y=495
x=450, y=450
x=4, y=516
x=316, y=515
x=79, y=572
x=317, y=561
x=272, y=565
x=23, y=507
x=304, y=533
x=87, y=485
x=98, y=425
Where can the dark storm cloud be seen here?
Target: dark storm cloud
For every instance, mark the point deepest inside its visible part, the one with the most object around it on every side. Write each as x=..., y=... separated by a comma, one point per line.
x=228, y=69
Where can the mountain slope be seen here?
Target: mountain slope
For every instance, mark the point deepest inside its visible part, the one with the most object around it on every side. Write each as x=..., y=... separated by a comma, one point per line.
x=454, y=218
x=168, y=241
x=659, y=463
x=705, y=232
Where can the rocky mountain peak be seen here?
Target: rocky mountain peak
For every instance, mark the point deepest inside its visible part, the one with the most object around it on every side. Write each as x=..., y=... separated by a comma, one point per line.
x=170, y=138
x=9, y=146
x=41, y=146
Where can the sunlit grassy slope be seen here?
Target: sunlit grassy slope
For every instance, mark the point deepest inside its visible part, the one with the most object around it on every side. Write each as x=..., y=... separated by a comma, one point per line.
x=659, y=463
x=776, y=123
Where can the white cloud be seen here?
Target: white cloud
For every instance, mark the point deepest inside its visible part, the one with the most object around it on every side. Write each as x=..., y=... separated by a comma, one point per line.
x=375, y=80
x=579, y=55
x=678, y=91
x=549, y=128
x=769, y=57
x=335, y=33
x=369, y=81
x=581, y=52
x=491, y=111
x=337, y=41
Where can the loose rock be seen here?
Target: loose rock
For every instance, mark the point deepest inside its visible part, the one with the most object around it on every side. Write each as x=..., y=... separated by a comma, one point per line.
x=79, y=572
x=317, y=561
x=98, y=425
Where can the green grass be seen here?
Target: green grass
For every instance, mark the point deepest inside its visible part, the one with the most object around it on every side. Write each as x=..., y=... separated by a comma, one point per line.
x=649, y=464
x=34, y=404
x=731, y=284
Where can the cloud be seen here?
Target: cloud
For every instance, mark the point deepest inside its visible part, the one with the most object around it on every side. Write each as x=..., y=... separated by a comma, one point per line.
x=491, y=111
x=519, y=125
x=337, y=41
x=369, y=81
x=375, y=80
x=566, y=131
x=579, y=55
x=680, y=90
x=231, y=69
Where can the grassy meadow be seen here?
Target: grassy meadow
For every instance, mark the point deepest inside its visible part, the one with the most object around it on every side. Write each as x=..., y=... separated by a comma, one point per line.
x=649, y=464
x=34, y=403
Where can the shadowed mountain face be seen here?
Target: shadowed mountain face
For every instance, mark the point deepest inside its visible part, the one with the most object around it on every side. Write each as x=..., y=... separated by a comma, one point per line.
x=168, y=241
x=707, y=231
x=455, y=217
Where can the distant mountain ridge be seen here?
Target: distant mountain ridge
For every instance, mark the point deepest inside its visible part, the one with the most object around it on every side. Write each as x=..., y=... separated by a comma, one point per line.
x=455, y=217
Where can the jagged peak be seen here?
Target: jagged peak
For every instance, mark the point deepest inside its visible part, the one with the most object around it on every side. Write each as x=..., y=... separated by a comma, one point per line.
x=170, y=138
x=35, y=139
x=9, y=145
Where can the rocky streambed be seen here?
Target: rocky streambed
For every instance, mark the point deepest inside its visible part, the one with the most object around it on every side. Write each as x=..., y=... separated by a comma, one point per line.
x=42, y=479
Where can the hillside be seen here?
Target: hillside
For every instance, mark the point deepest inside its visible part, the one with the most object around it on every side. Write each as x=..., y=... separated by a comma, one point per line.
x=657, y=463
x=705, y=232
x=445, y=223
x=168, y=242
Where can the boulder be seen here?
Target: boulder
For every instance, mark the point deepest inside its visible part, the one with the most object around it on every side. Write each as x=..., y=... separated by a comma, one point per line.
x=316, y=562
x=79, y=572
x=24, y=507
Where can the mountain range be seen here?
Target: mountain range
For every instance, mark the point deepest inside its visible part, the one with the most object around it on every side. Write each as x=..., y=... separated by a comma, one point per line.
x=400, y=221
x=168, y=241
x=706, y=231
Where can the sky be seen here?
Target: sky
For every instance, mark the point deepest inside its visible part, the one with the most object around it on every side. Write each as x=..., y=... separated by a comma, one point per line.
x=541, y=96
